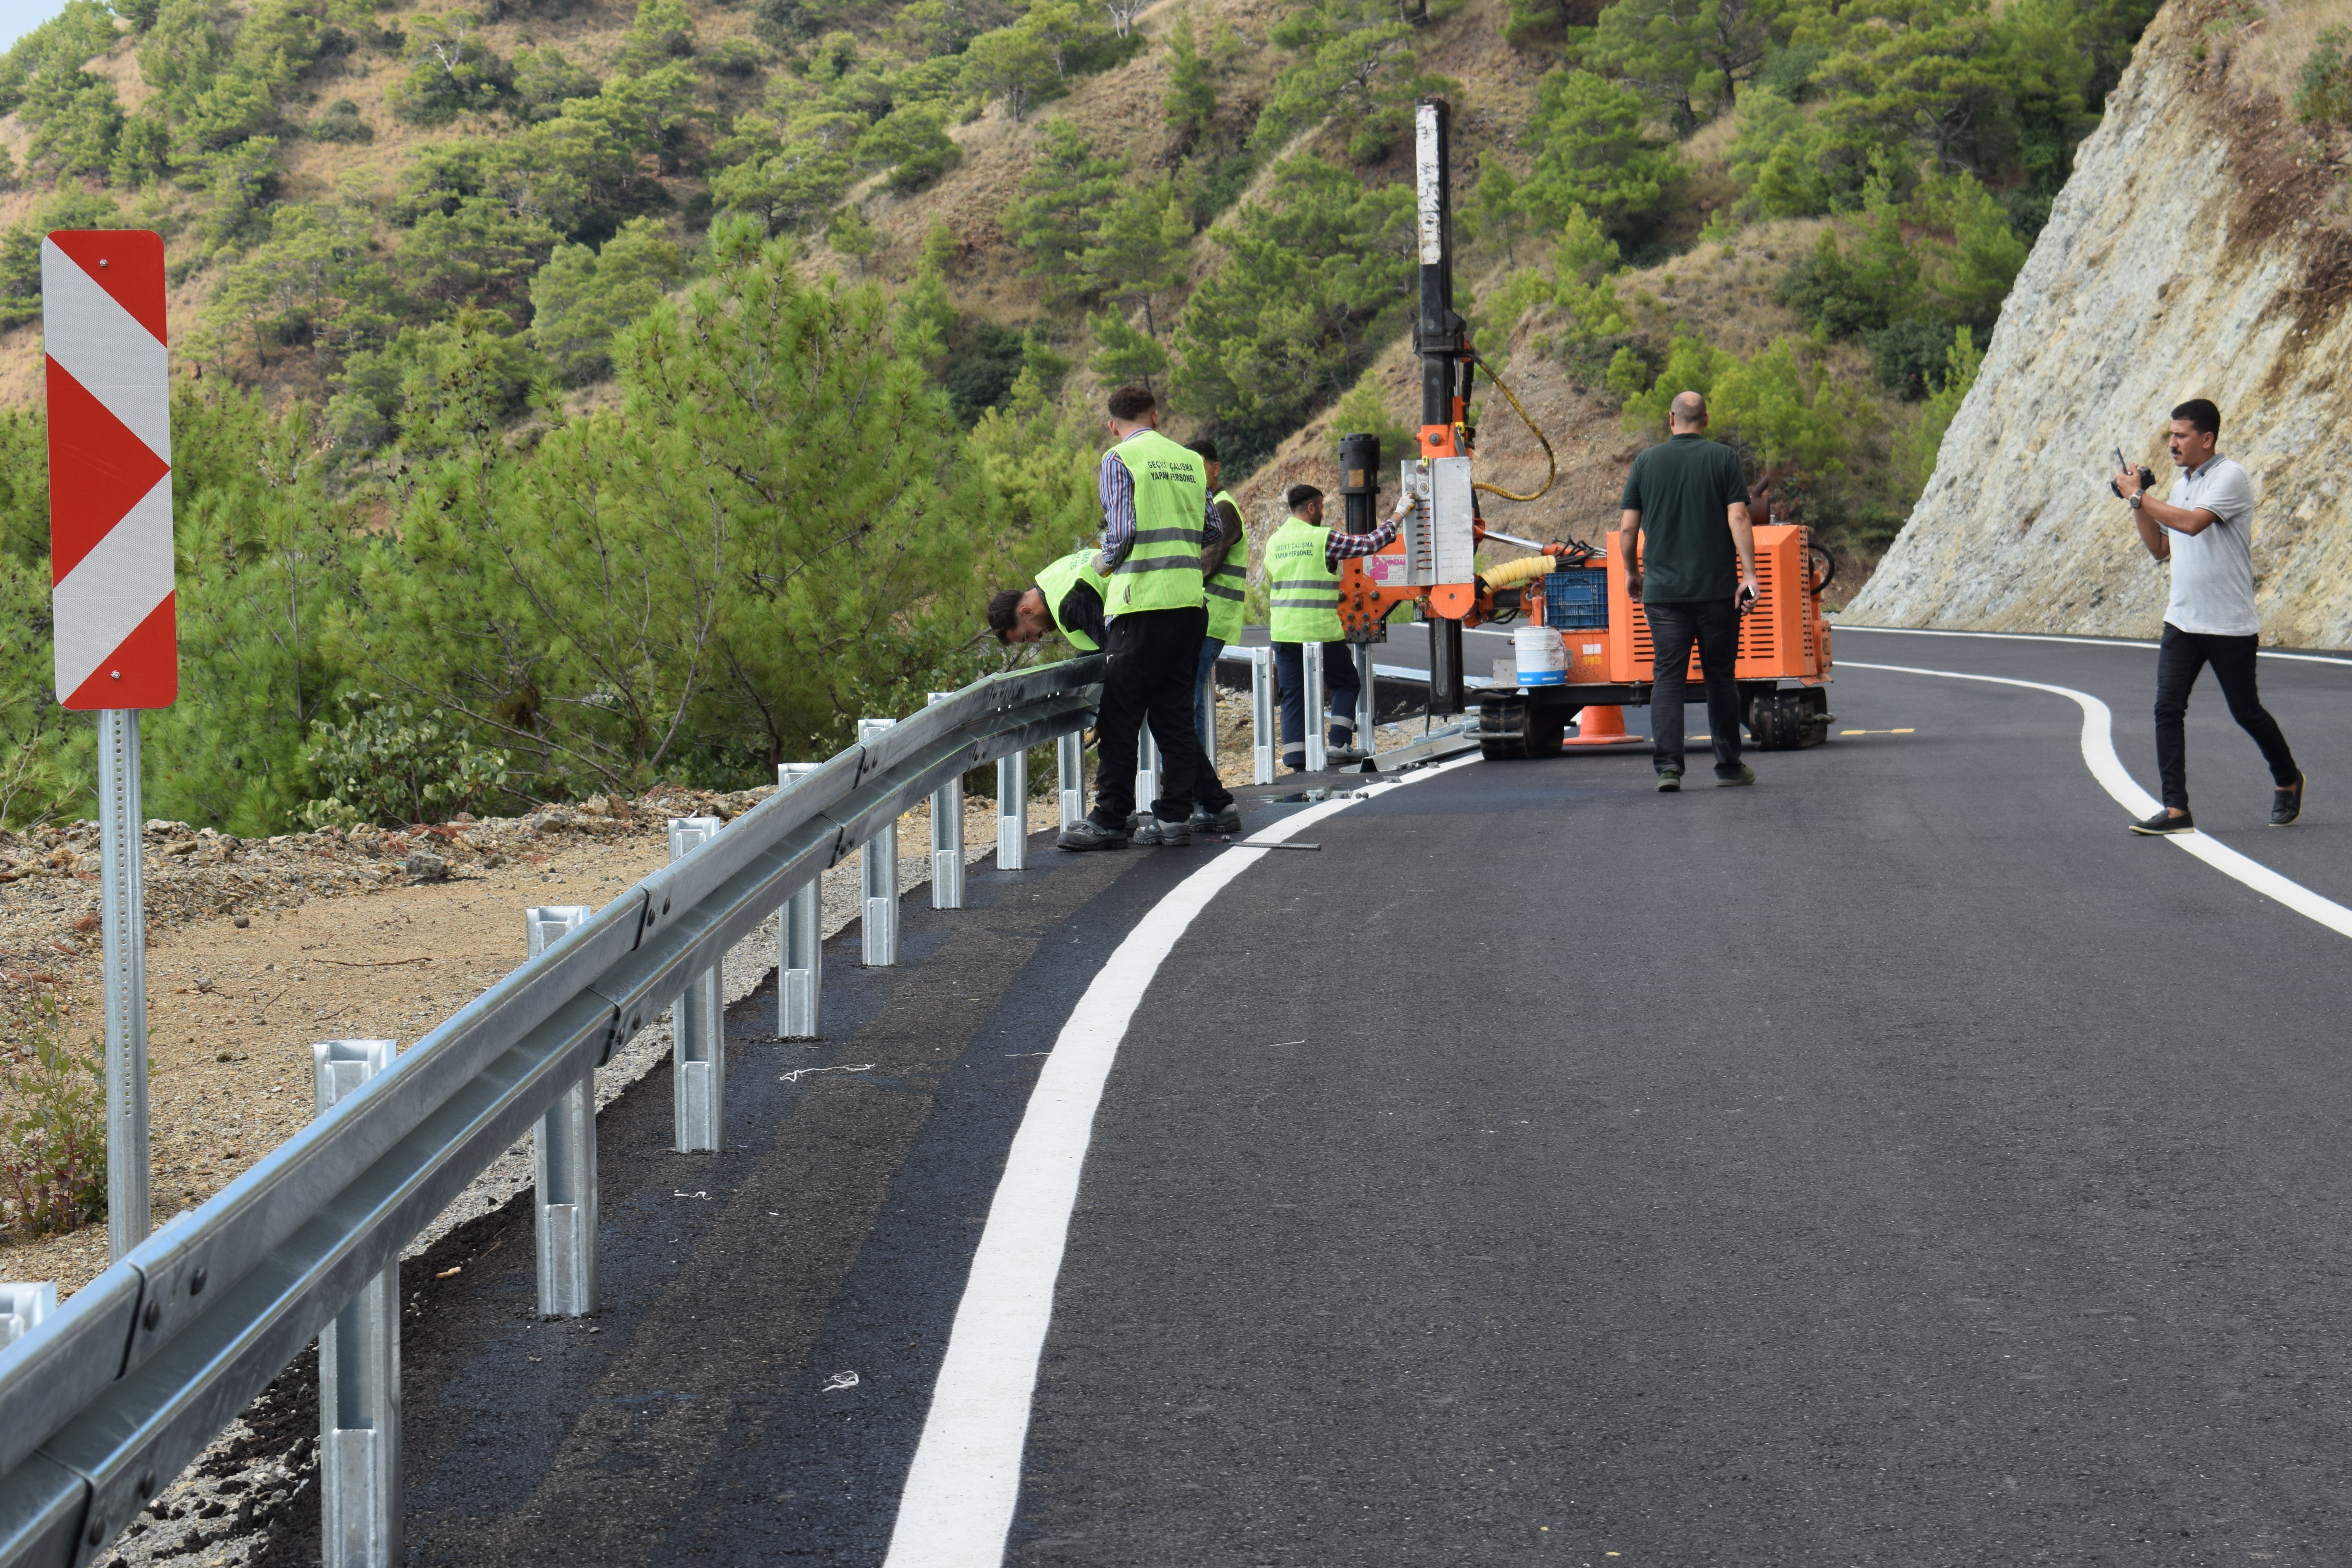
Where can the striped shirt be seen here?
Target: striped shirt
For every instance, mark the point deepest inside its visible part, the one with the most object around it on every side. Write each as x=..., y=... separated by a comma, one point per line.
x=1341, y=546
x=1116, y=487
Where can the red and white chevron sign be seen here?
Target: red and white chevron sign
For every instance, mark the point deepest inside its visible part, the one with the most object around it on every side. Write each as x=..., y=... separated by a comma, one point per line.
x=110, y=468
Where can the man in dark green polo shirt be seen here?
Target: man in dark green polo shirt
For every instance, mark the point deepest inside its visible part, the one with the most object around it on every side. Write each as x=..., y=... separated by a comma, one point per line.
x=1691, y=560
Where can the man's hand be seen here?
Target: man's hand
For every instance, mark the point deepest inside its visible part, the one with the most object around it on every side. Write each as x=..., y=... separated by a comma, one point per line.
x=2128, y=483
x=1633, y=586
x=1749, y=595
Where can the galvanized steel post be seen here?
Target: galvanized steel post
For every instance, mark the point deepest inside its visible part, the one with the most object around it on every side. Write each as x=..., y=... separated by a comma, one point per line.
x=800, y=942
x=877, y=872
x=947, y=838
x=1013, y=812
x=1146, y=768
x=563, y=1160
x=1366, y=705
x=1070, y=764
x=124, y=911
x=1311, y=672
x=697, y=1026
x=22, y=1307
x=359, y=1372
x=1262, y=715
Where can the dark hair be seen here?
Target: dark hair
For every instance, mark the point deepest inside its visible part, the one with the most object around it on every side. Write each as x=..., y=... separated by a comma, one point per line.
x=1297, y=496
x=1202, y=449
x=1005, y=612
x=2201, y=415
x=1129, y=403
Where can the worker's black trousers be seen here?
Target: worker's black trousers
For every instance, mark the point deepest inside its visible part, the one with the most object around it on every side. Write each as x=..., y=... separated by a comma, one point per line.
x=2179, y=661
x=1714, y=626
x=1153, y=658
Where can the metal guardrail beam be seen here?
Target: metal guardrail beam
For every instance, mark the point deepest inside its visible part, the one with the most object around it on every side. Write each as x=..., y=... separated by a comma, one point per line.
x=110, y=1396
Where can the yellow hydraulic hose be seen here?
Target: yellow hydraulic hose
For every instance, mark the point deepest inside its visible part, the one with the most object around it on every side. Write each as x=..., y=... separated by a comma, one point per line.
x=1520, y=571
x=1551, y=463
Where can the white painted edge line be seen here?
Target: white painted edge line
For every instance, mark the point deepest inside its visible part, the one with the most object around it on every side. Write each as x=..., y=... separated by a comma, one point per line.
x=2053, y=636
x=957, y=1506
x=2099, y=755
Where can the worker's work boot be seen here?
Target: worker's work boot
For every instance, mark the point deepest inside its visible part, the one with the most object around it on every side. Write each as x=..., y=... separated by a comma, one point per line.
x=1226, y=819
x=1164, y=834
x=1295, y=762
x=1087, y=833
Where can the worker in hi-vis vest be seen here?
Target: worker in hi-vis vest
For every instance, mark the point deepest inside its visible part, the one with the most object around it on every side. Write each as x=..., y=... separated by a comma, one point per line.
x=1068, y=599
x=1302, y=574
x=1224, y=568
x=1158, y=522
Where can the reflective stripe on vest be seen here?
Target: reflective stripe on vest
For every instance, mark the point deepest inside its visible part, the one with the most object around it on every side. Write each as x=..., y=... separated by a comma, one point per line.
x=1058, y=578
x=1163, y=571
x=1305, y=590
x=1228, y=587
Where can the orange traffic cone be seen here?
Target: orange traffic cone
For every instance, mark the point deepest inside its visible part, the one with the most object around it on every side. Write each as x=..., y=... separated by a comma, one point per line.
x=1602, y=726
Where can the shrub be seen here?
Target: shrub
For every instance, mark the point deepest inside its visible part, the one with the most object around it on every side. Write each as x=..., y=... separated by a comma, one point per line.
x=53, y=1159
x=342, y=123
x=393, y=765
x=2323, y=96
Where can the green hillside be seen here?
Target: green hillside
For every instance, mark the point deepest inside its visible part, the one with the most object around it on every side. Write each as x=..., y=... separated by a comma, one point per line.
x=577, y=396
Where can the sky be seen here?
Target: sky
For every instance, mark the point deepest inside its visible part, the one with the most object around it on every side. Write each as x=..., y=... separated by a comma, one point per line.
x=19, y=17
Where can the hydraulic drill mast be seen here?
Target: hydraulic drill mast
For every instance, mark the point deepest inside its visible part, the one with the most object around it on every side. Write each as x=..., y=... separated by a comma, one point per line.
x=1440, y=336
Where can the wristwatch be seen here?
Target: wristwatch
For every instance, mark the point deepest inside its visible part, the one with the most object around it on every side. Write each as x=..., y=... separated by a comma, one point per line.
x=2135, y=499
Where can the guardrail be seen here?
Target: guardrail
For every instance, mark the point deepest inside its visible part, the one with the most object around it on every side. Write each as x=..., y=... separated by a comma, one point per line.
x=108, y=1398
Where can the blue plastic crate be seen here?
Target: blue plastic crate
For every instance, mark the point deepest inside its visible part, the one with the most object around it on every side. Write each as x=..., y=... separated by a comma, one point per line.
x=1576, y=598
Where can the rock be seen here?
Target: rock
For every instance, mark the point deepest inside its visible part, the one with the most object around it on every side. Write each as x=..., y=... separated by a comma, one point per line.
x=424, y=865
x=240, y=922
x=2193, y=254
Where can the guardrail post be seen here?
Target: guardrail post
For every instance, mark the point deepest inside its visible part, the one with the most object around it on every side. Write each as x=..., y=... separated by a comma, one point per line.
x=1147, y=769
x=23, y=1305
x=123, y=959
x=1013, y=812
x=697, y=1026
x=947, y=838
x=1262, y=734
x=800, y=942
x=1070, y=761
x=1310, y=673
x=1367, y=702
x=359, y=1372
x=563, y=1160
x=877, y=871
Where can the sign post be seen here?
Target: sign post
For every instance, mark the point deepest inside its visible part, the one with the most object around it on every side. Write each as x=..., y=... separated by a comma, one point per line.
x=111, y=567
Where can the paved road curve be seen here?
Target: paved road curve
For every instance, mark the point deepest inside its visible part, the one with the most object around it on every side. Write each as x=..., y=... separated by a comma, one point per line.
x=1896, y=1162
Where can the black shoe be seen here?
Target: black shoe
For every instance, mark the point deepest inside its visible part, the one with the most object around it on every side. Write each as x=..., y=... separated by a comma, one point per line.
x=1227, y=819
x=2164, y=822
x=1087, y=833
x=1163, y=835
x=1669, y=781
x=1746, y=775
x=2286, y=805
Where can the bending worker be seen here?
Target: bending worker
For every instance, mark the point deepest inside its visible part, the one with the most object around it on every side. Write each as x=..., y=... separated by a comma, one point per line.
x=1225, y=567
x=1068, y=599
x=1302, y=569
x=1158, y=522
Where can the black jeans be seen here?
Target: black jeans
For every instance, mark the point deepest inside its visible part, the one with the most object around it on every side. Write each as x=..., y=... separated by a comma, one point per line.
x=1341, y=689
x=2179, y=658
x=1153, y=656
x=1714, y=626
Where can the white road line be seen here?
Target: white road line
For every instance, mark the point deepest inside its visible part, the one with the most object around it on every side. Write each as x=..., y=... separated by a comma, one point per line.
x=2099, y=755
x=2053, y=636
x=966, y=1477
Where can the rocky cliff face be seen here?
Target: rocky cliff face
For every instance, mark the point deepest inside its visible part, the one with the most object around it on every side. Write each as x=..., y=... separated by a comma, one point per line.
x=2199, y=250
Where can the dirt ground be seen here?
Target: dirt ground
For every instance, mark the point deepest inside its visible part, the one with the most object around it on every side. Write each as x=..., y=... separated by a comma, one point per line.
x=348, y=937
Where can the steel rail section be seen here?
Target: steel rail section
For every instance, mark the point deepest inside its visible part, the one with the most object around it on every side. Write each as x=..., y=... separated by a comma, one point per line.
x=114, y=1393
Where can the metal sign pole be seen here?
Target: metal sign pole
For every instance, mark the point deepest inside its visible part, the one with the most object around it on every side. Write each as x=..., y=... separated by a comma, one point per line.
x=127, y=1184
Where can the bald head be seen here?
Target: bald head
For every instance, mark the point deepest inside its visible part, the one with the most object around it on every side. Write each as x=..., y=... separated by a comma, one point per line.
x=1687, y=411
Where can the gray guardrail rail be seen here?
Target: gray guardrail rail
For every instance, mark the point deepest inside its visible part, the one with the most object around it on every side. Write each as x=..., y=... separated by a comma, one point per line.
x=108, y=1398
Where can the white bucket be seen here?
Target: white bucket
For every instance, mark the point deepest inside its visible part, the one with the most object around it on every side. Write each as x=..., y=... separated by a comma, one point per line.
x=1541, y=657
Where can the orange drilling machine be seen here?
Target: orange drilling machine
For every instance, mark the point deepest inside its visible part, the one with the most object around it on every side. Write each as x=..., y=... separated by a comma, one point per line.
x=1574, y=589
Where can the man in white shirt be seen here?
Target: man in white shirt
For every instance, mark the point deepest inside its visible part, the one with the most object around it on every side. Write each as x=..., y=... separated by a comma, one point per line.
x=2207, y=532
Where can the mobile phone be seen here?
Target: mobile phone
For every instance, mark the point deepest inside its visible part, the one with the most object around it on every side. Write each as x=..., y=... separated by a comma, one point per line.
x=1746, y=598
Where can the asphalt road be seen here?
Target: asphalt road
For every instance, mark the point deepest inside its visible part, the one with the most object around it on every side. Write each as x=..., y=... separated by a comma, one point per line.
x=1895, y=1162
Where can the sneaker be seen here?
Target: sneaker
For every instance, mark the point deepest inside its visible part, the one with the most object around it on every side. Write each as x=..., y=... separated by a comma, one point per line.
x=1343, y=756
x=1669, y=781
x=1227, y=819
x=1746, y=775
x=1163, y=835
x=1087, y=833
x=2164, y=822
x=2286, y=805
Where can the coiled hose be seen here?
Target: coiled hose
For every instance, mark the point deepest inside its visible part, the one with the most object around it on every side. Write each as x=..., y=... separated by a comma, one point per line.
x=1551, y=463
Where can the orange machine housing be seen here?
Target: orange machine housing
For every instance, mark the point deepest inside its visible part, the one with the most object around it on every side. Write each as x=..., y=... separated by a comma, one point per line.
x=1784, y=638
